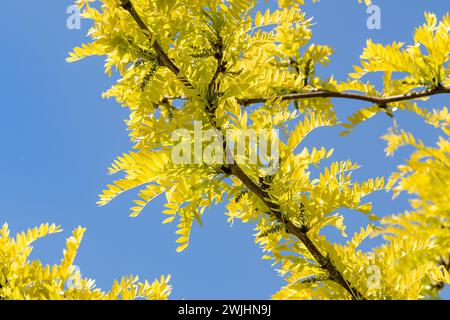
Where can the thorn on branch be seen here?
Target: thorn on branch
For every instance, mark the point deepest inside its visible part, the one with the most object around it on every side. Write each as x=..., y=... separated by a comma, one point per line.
x=387, y=110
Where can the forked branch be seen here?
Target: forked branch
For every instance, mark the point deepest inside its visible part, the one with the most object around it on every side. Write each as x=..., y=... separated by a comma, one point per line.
x=301, y=233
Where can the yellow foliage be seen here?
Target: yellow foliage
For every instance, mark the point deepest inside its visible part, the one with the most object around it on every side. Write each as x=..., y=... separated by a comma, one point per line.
x=182, y=62
x=22, y=279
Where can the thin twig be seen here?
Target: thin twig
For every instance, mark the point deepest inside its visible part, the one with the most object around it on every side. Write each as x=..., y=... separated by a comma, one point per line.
x=381, y=101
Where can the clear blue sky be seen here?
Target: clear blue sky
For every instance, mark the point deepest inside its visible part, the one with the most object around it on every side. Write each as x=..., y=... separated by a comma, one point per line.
x=58, y=137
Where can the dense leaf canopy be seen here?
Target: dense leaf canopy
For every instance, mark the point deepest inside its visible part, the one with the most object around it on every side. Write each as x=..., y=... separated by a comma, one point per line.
x=232, y=68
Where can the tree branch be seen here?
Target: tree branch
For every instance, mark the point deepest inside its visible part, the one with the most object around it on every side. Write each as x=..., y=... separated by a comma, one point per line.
x=163, y=58
x=301, y=233
x=234, y=169
x=381, y=101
